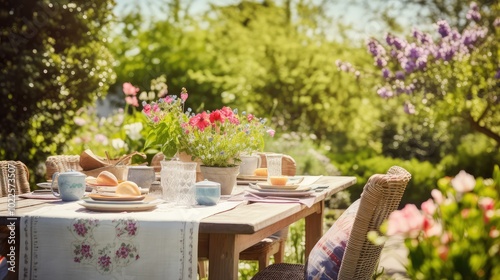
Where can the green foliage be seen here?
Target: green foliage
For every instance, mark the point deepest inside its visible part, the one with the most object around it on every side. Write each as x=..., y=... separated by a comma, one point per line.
x=424, y=175
x=54, y=61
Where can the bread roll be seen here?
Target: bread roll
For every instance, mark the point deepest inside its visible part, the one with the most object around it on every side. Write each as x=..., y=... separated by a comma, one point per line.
x=128, y=188
x=106, y=178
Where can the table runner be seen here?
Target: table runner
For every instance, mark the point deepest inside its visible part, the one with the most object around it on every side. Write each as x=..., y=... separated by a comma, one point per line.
x=69, y=242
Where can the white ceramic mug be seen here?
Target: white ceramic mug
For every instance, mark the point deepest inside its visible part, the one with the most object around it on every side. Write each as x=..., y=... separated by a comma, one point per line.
x=71, y=185
x=248, y=164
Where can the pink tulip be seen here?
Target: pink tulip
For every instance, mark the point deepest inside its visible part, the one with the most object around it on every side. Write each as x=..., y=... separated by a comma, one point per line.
x=463, y=182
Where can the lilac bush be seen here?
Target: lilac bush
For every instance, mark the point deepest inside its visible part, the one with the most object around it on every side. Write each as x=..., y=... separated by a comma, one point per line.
x=453, y=74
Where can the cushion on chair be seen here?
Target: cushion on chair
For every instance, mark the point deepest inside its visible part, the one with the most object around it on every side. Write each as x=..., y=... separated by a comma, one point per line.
x=326, y=256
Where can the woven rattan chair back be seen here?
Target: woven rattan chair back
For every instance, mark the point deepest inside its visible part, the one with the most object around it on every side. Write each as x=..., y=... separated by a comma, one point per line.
x=62, y=163
x=381, y=196
x=14, y=178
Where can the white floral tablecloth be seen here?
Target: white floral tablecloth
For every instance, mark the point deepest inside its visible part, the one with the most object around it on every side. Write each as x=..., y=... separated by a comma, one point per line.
x=69, y=242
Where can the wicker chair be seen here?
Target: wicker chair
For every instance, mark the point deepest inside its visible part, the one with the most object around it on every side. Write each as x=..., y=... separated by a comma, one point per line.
x=18, y=171
x=381, y=195
x=61, y=163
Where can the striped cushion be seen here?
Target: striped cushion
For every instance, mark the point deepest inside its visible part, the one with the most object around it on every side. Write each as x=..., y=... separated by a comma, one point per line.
x=326, y=256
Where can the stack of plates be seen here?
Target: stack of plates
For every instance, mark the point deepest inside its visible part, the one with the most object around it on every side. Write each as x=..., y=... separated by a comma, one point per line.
x=116, y=203
x=290, y=190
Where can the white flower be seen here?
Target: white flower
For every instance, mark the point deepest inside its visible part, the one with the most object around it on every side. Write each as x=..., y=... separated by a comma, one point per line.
x=118, y=143
x=463, y=182
x=79, y=121
x=133, y=130
x=101, y=138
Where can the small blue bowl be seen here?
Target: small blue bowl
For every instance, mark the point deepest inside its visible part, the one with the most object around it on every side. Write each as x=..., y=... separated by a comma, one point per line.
x=207, y=192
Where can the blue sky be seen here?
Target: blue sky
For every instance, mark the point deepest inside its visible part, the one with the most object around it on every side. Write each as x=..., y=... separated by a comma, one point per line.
x=345, y=11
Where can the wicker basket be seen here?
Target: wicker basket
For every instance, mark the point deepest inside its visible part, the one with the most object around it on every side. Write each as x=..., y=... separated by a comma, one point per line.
x=17, y=171
x=61, y=163
x=116, y=166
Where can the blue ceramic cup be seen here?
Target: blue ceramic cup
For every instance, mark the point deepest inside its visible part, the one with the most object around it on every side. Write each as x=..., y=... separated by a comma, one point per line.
x=207, y=193
x=71, y=185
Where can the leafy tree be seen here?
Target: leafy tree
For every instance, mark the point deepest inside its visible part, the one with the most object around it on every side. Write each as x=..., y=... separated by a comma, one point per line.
x=54, y=61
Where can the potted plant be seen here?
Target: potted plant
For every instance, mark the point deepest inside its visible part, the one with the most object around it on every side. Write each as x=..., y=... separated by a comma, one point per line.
x=216, y=139
x=219, y=138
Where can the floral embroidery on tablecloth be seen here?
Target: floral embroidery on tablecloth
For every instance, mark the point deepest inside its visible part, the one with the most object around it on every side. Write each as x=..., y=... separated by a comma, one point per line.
x=120, y=251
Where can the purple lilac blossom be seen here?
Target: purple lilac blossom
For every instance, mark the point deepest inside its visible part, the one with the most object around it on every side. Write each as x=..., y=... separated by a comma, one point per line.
x=409, y=108
x=443, y=28
x=497, y=75
x=375, y=48
x=496, y=23
x=386, y=73
x=421, y=62
x=381, y=62
x=473, y=13
x=399, y=43
x=384, y=92
x=400, y=75
x=426, y=39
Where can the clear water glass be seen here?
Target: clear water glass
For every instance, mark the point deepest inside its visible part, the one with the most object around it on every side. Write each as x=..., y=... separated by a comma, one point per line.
x=274, y=164
x=169, y=179
x=185, y=188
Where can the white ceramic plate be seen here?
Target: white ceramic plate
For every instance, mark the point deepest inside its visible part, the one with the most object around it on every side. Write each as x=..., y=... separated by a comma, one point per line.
x=145, y=201
x=44, y=185
x=115, y=197
x=283, y=193
x=280, y=189
x=267, y=186
x=119, y=207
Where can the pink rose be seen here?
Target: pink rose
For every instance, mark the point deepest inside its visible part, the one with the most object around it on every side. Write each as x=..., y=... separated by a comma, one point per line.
x=486, y=203
x=271, y=132
x=463, y=182
x=437, y=195
x=428, y=207
x=407, y=221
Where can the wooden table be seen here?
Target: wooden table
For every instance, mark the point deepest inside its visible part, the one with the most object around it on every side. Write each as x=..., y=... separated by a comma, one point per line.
x=223, y=236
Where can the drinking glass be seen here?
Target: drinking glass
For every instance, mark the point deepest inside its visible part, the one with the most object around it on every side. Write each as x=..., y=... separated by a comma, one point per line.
x=273, y=165
x=185, y=189
x=169, y=179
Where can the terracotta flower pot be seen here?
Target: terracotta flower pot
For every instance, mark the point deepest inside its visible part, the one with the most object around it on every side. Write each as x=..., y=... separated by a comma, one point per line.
x=225, y=176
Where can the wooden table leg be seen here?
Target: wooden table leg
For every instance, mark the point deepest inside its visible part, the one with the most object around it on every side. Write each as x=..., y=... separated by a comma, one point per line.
x=314, y=229
x=223, y=257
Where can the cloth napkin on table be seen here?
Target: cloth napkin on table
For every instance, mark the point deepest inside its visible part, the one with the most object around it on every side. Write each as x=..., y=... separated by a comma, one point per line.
x=67, y=241
x=255, y=197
